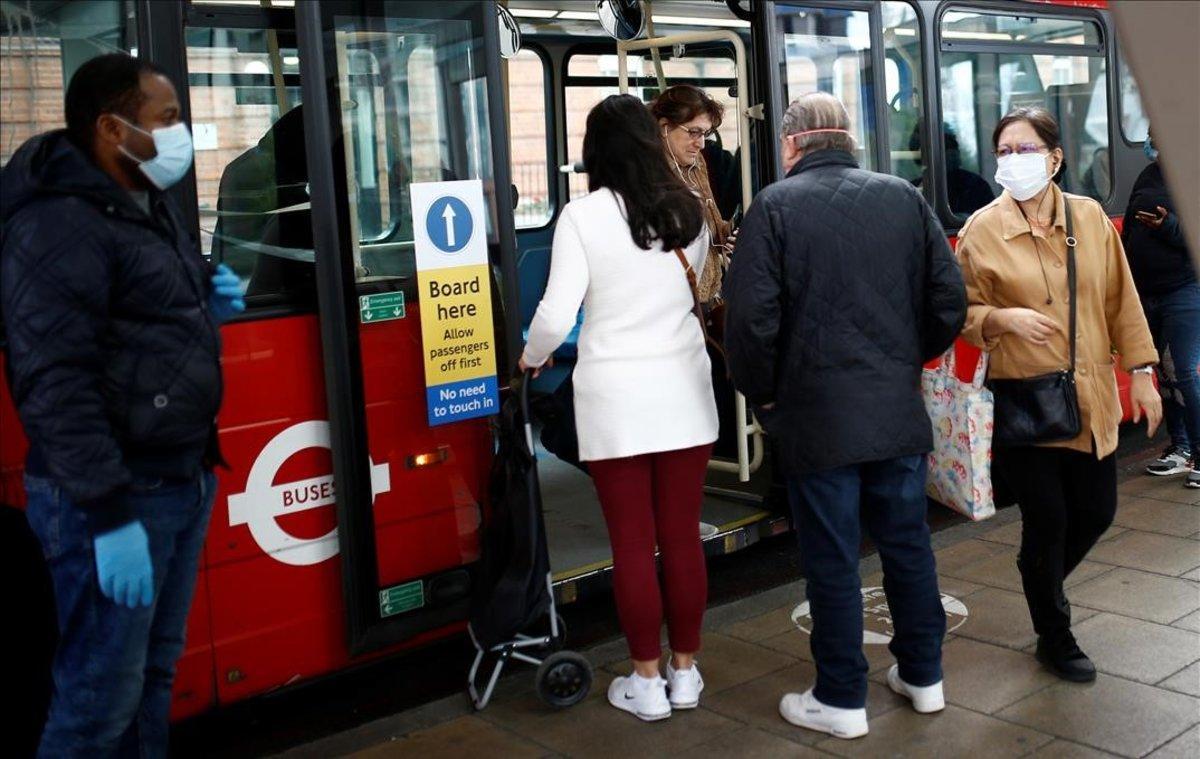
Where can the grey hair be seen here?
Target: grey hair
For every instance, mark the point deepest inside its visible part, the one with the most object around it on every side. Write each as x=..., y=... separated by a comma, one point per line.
x=818, y=110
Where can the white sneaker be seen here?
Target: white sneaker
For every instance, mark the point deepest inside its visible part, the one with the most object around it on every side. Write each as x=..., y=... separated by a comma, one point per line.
x=804, y=710
x=684, y=686
x=645, y=699
x=926, y=700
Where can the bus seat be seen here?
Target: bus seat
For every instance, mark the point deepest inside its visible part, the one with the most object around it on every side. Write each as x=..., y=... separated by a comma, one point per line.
x=533, y=271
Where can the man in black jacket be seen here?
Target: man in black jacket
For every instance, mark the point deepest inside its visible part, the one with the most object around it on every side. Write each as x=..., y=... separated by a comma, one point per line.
x=113, y=356
x=1166, y=282
x=842, y=287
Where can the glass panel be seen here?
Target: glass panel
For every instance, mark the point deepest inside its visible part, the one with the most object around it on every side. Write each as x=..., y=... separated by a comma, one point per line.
x=42, y=44
x=829, y=50
x=1135, y=124
x=699, y=71
x=527, y=138
x=979, y=88
x=1041, y=30
x=251, y=171
x=902, y=87
x=414, y=109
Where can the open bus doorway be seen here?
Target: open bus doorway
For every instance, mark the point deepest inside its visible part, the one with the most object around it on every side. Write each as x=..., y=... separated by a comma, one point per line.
x=568, y=64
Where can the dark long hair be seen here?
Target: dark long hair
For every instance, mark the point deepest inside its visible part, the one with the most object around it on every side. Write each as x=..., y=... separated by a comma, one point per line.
x=623, y=152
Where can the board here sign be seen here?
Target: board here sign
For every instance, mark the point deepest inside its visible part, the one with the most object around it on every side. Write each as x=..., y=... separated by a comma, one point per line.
x=454, y=281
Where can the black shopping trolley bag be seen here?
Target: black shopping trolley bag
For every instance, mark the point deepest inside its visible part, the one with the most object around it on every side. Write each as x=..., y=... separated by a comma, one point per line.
x=512, y=593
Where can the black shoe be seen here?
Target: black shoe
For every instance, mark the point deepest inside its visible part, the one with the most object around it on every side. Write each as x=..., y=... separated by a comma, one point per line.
x=1066, y=660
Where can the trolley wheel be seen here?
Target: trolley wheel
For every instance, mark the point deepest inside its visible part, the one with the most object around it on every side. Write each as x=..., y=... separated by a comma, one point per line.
x=564, y=679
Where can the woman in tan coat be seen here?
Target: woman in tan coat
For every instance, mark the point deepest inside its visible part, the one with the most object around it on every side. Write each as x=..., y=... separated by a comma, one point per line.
x=1014, y=258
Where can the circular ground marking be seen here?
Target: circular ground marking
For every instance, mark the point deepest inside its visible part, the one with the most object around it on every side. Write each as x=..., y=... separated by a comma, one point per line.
x=877, y=618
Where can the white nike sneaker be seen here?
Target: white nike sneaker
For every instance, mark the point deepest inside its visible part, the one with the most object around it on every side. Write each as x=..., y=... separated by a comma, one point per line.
x=684, y=686
x=926, y=700
x=804, y=710
x=645, y=699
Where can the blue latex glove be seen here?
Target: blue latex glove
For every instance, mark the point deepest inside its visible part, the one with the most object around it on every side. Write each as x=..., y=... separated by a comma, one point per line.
x=123, y=565
x=226, y=299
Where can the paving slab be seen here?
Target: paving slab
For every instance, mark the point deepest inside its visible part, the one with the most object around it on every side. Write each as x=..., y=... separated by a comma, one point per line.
x=1149, y=551
x=986, y=678
x=465, y=736
x=954, y=733
x=1001, y=617
x=1179, y=519
x=1060, y=749
x=775, y=622
x=1139, y=594
x=751, y=743
x=1185, y=681
x=1000, y=571
x=1189, y=622
x=1135, y=649
x=757, y=703
x=1112, y=714
x=965, y=553
x=1186, y=746
x=1160, y=489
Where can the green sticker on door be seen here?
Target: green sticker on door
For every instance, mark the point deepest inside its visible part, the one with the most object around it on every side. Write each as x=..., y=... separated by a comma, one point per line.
x=401, y=598
x=381, y=307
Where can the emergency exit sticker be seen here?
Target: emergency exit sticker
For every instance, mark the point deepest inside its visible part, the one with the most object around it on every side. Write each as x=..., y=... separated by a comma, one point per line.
x=454, y=284
x=401, y=598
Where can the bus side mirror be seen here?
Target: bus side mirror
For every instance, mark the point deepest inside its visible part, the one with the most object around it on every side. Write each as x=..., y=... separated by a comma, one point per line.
x=516, y=197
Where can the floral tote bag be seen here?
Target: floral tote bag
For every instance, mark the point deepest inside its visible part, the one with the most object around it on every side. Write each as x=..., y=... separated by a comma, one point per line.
x=960, y=465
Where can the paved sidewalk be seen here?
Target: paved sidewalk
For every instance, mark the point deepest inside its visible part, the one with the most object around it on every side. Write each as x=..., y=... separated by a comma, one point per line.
x=1136, y=602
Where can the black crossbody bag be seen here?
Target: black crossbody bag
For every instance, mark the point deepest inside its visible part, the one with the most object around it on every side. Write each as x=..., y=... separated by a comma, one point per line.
x=1041, y=409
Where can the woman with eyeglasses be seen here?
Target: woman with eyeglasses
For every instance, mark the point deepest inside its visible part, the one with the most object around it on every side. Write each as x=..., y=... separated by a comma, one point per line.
x=687, y=116
x=1055, y=389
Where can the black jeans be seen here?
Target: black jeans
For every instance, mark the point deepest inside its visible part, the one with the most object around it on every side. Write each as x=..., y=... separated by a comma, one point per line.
x=1067, y=500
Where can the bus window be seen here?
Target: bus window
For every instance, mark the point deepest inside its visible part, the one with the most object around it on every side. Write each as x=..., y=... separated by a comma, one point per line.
x=902, y=87
x=1135, y=124
x=528, y=138
x=591, y=78
x=992, y=63
x=251, y=171
x=418, y=113
x=829, y=49
x=41, y=46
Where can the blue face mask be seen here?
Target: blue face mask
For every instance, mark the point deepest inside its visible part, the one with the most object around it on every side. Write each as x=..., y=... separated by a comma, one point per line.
x=1149, y=149
x=174, y=154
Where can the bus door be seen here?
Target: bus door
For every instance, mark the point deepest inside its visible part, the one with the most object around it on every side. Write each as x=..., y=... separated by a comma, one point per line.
x=747, y=434
x=407, y=152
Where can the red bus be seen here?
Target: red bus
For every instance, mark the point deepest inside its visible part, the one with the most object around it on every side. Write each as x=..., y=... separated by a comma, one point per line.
x=347, y=527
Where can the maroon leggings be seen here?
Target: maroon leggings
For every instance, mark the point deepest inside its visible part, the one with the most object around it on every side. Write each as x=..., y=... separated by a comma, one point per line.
x=648, y=500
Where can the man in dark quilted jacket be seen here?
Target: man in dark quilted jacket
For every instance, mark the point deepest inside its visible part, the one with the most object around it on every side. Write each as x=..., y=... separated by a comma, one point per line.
x=842, y=287
x=112, y=349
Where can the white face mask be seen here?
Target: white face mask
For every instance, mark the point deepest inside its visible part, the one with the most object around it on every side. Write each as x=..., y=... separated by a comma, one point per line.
x=173, y=146
x=1023, y=175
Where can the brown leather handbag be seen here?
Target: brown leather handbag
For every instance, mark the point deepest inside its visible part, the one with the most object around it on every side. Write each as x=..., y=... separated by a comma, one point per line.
x=715, y=348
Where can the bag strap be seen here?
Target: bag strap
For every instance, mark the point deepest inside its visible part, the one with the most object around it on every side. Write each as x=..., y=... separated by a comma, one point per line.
x=696, y=309
x=1071, y=282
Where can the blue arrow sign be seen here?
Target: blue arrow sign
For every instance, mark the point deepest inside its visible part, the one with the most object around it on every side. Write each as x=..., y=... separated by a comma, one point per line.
x=449, y=224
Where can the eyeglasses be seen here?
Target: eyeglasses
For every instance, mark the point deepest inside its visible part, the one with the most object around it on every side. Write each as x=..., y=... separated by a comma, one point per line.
x=1022, y=148
x=696, y=133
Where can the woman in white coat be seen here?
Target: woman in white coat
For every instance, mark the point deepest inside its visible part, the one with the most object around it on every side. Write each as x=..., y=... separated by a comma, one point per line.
x=643, y=393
